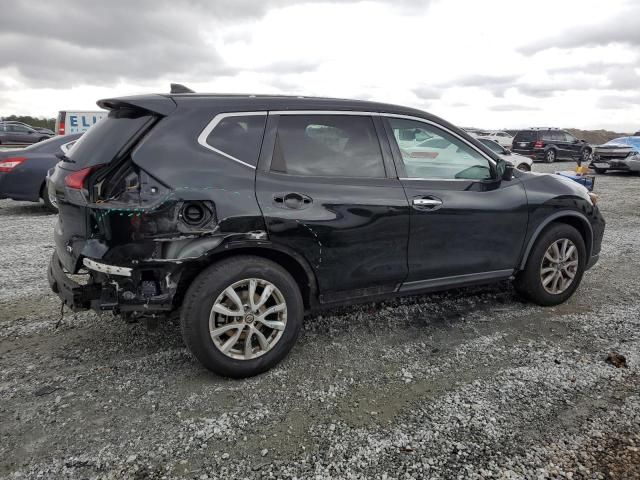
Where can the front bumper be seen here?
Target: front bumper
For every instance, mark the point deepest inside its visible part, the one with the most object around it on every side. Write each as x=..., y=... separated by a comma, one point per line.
x=629, y=164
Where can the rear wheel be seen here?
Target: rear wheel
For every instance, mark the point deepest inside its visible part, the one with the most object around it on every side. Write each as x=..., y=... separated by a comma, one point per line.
x=242, y=316
x=555, y=266
x=585, y=156
x=550, y=156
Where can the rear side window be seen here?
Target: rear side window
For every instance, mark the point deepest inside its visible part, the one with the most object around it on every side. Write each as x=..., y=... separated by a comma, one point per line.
x=328, y=146
x=238, y=136
x=108, y=139
x=526, y=136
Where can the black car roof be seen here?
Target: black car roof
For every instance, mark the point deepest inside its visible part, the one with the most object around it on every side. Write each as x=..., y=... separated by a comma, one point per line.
x=164, y=104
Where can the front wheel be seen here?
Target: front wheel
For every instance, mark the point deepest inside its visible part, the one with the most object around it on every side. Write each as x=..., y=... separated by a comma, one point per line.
x=555, y=266
x=600, y=171
x=241, y=316
x=524, y=167
x=550, y=156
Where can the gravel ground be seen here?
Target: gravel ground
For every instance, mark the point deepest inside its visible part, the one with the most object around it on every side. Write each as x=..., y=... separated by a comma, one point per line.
x=471, y=383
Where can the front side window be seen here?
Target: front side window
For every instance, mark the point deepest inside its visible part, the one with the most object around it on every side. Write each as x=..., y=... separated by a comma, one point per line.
x=443, y=156
x=238, y=137
x=327, y=146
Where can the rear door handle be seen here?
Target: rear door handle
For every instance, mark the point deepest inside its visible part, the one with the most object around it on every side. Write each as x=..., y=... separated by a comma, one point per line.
x=293, y=200
x=428, y=203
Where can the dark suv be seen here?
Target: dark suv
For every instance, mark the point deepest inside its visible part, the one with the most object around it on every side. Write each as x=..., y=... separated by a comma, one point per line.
x=550, y=144
x=247, y=211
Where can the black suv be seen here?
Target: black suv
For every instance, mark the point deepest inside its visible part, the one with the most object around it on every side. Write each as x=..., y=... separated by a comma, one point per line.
x=247, y=211
x=550, y=144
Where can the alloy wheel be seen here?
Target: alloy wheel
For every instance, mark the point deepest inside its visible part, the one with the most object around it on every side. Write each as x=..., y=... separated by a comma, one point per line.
x=248, y=319
x=551, y=156
x=559, y=266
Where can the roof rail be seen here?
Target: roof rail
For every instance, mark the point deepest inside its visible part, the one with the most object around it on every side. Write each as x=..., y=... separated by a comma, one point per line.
x=179, y=88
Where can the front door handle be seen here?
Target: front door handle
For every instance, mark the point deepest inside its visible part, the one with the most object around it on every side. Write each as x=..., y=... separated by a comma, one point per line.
x=429, y=203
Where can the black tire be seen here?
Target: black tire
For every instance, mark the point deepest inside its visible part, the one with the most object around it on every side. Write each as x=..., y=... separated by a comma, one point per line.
x=550, y=156
x=201, y=296
x=42, y=139
x=524, y=167
x=528, y=282
x=600, y=171
x=48, y=204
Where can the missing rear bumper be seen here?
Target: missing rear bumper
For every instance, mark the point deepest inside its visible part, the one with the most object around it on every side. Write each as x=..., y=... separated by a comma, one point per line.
x=75, y=296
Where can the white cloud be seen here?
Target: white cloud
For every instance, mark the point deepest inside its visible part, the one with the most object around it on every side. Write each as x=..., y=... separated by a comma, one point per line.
x=488, y=64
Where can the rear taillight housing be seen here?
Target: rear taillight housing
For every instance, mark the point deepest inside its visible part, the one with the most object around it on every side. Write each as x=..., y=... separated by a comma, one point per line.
x=77, y=180
x=62, y=116
x=9, y=164
x=538, y=144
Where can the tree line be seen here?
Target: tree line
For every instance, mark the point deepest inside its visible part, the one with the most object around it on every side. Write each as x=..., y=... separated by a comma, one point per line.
x=49, y=123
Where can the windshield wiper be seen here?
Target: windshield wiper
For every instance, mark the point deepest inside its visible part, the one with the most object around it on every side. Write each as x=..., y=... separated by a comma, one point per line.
x=62, y=157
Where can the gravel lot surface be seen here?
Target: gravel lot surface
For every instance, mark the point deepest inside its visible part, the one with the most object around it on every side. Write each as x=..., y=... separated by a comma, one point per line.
x=471, y=383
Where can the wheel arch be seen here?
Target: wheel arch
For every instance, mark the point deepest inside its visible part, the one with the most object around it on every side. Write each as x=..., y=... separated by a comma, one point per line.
x=293, y=263
x=575, y=219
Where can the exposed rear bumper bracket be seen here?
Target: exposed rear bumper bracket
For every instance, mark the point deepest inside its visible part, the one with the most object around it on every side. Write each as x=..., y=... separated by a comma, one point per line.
x=75, y=296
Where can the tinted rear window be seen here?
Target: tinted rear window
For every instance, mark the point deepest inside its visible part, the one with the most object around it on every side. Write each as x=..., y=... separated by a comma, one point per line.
x=108, y=138
x=239, y=137
x=526, y=136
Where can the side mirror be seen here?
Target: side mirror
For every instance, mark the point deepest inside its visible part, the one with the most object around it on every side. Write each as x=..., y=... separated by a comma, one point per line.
x=504, y=170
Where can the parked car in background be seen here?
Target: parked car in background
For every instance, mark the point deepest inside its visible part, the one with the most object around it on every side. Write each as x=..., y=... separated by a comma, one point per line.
x=20, y=134
x=474, y=132
x=23, y=172
x=37, y=129
x=78, y=121
x=618, y=154
x=502, y=138
x=281, y=205
x=550, y=144
x=519, y=161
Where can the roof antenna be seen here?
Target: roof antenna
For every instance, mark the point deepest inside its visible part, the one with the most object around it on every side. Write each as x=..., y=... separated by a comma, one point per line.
x=179, y=88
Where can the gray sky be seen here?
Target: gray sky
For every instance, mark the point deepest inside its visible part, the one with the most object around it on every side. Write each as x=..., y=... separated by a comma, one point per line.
x=494, y=63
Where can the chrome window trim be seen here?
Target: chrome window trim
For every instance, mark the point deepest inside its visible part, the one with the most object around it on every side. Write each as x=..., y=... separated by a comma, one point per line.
x=325, y=112
x=202, y=138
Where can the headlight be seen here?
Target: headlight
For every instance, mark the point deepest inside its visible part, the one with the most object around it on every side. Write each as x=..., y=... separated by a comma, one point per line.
x=632, y=154
x=594, y=198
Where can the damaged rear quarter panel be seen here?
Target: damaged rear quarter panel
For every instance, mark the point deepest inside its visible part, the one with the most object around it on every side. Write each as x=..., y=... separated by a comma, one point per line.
x=157, y=232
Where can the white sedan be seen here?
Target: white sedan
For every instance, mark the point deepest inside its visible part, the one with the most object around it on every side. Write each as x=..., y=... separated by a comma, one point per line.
x=502, y=138
x=519, y=161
